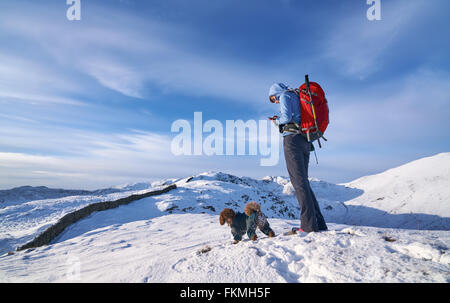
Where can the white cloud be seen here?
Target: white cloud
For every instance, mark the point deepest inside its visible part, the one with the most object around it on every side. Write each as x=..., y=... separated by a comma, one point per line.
x=25, y=80
x=125, y=56
x=115, y=76
x=72, y=158
x=87, y=159
x=34, y=98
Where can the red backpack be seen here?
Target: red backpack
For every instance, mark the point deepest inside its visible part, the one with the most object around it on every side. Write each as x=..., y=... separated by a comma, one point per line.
x=314, y=115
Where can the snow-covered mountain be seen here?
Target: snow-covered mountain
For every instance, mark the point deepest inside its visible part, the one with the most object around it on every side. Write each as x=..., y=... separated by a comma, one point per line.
x=176, y=236
x=23, y=194
x=415, y=195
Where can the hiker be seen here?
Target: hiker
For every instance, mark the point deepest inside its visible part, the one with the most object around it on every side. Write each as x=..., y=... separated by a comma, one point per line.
x=296, y=152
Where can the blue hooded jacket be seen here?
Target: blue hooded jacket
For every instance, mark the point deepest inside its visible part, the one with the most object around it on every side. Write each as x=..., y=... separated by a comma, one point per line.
x=289, y=105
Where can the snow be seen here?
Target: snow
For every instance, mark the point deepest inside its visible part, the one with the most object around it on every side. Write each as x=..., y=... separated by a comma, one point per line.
x=21, y=221
x=415, y=195
x=116, y=248
x=176, y=237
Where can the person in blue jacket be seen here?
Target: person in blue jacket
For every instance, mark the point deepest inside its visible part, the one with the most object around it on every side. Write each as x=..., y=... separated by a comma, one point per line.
x=296, y=153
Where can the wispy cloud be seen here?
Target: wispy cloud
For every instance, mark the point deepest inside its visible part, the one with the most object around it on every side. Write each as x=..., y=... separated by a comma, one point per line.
x=88, y=159
x=135, y=52
x=82, y=159
x=24, y=80
x=115, y=76
x=64, y=157
x=400, y=111
x=357, y=46
x=38, y=98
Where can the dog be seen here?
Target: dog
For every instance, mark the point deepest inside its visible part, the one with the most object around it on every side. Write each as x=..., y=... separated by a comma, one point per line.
x=247, y=222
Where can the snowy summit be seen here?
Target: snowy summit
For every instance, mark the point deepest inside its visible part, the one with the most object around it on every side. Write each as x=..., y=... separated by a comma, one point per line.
x=389, y=227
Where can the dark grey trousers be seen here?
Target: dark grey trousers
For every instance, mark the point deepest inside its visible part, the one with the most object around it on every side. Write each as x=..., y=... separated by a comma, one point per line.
x=296, y=153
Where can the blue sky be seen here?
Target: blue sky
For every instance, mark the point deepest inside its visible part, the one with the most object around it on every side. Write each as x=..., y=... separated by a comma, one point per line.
x=90, y=103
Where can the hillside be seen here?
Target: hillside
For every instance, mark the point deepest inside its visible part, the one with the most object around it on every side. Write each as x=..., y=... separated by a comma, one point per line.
x=176, y=237
x=207, y=192
x=415, y=195
x=122, y=246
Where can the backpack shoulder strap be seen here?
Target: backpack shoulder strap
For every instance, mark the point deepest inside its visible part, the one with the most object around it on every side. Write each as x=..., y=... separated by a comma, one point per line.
x=294, y=90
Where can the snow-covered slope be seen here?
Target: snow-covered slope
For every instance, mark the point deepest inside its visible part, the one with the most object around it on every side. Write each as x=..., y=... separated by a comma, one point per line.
x=23, y=194
x=159, y=238
x=22, y=220
x=208, y=192
x=29, y=193
x=415, y=195
x=120, y=246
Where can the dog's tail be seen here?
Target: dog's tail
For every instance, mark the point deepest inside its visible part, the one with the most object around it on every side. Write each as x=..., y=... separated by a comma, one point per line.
x=252, y=207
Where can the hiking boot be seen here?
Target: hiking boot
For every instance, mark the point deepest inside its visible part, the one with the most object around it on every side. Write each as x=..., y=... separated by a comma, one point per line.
x=298, y=230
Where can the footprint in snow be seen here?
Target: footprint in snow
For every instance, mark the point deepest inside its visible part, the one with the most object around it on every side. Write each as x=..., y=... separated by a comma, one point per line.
x=259, y=252
x=343, y=244
x=178, y=264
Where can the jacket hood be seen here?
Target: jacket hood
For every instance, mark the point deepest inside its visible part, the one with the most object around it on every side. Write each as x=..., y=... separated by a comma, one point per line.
x=277, y=89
